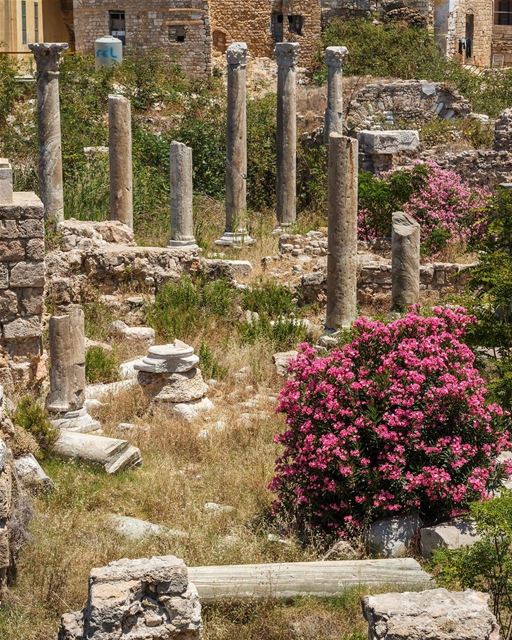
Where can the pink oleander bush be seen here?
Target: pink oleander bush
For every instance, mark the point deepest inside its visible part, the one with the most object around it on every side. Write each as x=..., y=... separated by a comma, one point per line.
x=396, y=420
x=449, y=210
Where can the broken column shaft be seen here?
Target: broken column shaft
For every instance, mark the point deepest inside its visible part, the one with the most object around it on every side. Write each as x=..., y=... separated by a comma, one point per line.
x=334, y=57
x=47, y=56
x=120, y=159
x=286, y=56
x=182, y=220
x=405, y=261
x=342, y=232
x=236, y=151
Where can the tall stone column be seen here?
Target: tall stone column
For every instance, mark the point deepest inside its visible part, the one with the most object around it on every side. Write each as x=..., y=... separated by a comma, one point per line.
x=405, y=261
x=65, y=402
x=334, y=57
x=286, y=56
x=47, y=56
x=342, y=232
x=236, y=152
x=182, y=220
x=120, y=159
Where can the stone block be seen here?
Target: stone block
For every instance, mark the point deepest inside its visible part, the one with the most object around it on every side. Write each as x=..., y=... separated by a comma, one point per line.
x=11, y=251
x=22, y=328
x=5, y=181
x=388, y=142
x=35, y=249
x=448, y=535
x=393, y=537
x=27, y=275
x=436, y=614
x=4, y=276
x=31, y=302
x=31, y=228
x=8, y=304
x=24, y=205
x=9, y=229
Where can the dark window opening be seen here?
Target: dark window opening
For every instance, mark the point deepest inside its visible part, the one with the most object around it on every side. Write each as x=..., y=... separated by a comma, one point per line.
x=36, y=21
x=24, y=38
x=277, y=27
x=503, y=12
x=117, y=25
x=177, y=34
x=296, y=25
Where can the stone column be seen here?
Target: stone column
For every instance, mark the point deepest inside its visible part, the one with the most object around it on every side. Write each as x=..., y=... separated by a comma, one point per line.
x=405, y=262
x=120, y=159
x=182, y=220
x=236, y=152
x=286, y=56
x=334, y=57
x=342, y=232
x=65, y=402
x=5, y=181
x=47, y=56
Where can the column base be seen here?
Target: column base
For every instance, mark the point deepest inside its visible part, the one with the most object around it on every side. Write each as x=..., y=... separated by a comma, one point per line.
x=191, y=245
x=79, y=421
x=237, y=239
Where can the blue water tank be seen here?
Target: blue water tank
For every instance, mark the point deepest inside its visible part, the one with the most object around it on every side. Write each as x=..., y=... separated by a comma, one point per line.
x=109, y=51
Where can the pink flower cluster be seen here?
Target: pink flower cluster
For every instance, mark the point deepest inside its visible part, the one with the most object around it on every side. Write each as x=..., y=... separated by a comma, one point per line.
x=447, y=203
x=395, y=420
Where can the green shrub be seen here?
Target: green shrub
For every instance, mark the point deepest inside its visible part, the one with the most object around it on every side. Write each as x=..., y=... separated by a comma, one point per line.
x=101, y=366
x=487, y=565
x=186, y=307
x=209, y=364
x=281, y=334
x=30, y=415
x=269, y=298
x=98, y=317
x=10, y=89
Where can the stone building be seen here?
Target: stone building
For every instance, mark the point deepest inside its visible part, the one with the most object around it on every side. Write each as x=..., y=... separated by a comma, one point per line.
x=477, y=32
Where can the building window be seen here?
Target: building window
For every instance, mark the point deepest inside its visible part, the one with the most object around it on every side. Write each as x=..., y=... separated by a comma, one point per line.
x=503, y=12
x=36, y=21
x=296, y=25
x=177, y=34
x=117, y=25
x=24, y=38
x=277, y=27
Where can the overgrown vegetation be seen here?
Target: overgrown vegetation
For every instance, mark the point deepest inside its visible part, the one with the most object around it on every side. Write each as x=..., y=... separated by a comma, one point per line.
x=398, y=51
x=486, y=565
x=101, y=366
x=30, y=415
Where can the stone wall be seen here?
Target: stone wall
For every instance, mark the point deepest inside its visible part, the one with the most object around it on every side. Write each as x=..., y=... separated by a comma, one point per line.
x=22, y=279
x=255, y=22
x=407, y=100
x=152, y=25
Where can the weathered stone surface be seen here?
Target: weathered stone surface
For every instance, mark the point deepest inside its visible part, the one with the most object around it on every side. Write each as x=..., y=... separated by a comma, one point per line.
x=405, y=261
x=388, y=142
x=27, y=275
x=191, y=410
x=30, y=472
x=5, y=181
x=282, y=360
x=149, y=599
x=22, y=328
x=120, y=159
x=437, y=614
x=182, y=220
x=448, y=535
x=137, y=337
x=393, y=537
x=334, y=57
x=182, y=387
x=136, y=529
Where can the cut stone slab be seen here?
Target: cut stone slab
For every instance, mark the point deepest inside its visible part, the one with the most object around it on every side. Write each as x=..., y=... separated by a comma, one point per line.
x=282, y=360
x=392, y=537
x=448, y=535
x=31, y=474
x=80, y=421
x=102, y=391
x=388, y=142
x=113, y=454
x=437, y=614
x=136, y=529
x=143, y=337
x=183, y=387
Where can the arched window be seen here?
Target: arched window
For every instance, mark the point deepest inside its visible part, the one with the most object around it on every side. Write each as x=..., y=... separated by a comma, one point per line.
x=503, y=12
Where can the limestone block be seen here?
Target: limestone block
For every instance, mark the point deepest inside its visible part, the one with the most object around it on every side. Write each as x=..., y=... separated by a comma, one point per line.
x=24, y=205
x=22, y=328
x=448, y=535
x=144, y=598
x=282, y=360
x=35, y=249
x=437, y=614
x=191, y=410
x=31, y=228
x=5, y=181
x=5, y=493
x=27, y=275
x=136, y=529
x=72, y=626
x=140, y=337
x=31, y=302
x=4, y=276
x=31, y=474
x=8, y=304
x=9, y=230
x=392, y=537
x=388, y=142
x=183, y=387
x=11, y=251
